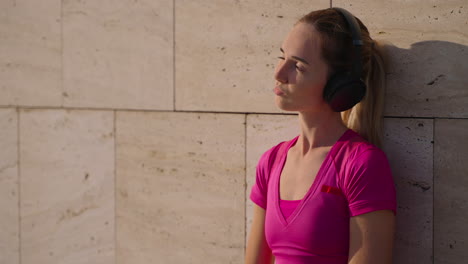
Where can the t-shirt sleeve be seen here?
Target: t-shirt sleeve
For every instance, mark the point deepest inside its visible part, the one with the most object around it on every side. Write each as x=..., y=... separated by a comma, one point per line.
x=369, y=184
x=258, y=193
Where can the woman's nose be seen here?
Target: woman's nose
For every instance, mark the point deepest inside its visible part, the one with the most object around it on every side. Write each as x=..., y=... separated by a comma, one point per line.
x=280, y=73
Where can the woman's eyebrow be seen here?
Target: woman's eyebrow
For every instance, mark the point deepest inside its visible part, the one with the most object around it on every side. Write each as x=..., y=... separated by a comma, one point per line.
x=295, y=57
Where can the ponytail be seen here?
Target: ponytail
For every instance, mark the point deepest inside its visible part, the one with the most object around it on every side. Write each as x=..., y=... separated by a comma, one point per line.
x=366, y=117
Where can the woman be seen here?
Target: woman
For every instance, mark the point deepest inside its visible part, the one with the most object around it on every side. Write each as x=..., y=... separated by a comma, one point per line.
x=326, y=196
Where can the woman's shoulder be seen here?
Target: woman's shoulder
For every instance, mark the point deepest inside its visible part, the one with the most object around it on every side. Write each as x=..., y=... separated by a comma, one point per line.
x=269, y=157
x=359, y=156
x=267, y=162
x=357, y=146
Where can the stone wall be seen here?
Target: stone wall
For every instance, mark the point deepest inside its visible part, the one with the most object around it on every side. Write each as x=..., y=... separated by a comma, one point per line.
x=130, y=130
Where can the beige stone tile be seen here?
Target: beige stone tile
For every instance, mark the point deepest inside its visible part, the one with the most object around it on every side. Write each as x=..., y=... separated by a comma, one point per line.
x=30, y=53
x=264, y=132
x=427, y=74
x=9, y=210
x=180, y=187
x=451, y=191
x=226, y=52
x=118, y=54
x=408, y=145
x=67, y=186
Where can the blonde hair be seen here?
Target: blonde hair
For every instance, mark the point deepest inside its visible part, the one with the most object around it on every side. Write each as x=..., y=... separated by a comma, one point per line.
x=365, y=117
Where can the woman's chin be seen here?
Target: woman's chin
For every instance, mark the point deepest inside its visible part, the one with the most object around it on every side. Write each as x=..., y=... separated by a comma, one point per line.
x=280, y=104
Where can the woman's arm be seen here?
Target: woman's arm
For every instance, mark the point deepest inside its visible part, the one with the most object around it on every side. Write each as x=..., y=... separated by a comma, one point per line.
x=371, y=238
x=258, y=251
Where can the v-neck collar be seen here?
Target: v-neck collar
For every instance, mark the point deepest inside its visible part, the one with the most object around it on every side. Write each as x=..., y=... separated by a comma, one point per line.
x=314, y=184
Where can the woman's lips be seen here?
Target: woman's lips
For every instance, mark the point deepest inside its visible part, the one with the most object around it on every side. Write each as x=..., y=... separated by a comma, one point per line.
x=278, y=91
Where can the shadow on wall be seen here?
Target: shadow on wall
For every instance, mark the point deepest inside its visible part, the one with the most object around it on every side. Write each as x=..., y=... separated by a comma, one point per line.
x=427, y=80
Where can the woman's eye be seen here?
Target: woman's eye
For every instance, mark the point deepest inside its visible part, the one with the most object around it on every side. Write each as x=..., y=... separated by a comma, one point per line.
x=297, y=67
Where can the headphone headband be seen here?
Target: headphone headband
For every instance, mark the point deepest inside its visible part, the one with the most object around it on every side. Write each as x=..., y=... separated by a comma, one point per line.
x=357, y=39
x=344, y=89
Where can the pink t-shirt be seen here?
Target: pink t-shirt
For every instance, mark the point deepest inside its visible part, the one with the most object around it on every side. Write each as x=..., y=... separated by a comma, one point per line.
x=355, y=178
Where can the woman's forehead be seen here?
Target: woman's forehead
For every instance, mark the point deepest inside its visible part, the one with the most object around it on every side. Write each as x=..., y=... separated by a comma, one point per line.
x=303, y=41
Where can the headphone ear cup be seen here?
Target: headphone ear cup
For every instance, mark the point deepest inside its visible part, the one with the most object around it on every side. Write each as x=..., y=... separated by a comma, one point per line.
x=343, y=91
x=330, y=87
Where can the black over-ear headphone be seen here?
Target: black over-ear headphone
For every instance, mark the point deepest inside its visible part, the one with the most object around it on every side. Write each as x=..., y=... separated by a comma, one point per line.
x=345, y=89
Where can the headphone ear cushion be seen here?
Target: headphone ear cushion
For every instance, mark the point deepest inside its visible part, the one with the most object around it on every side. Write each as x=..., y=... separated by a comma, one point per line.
x=343, y=91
